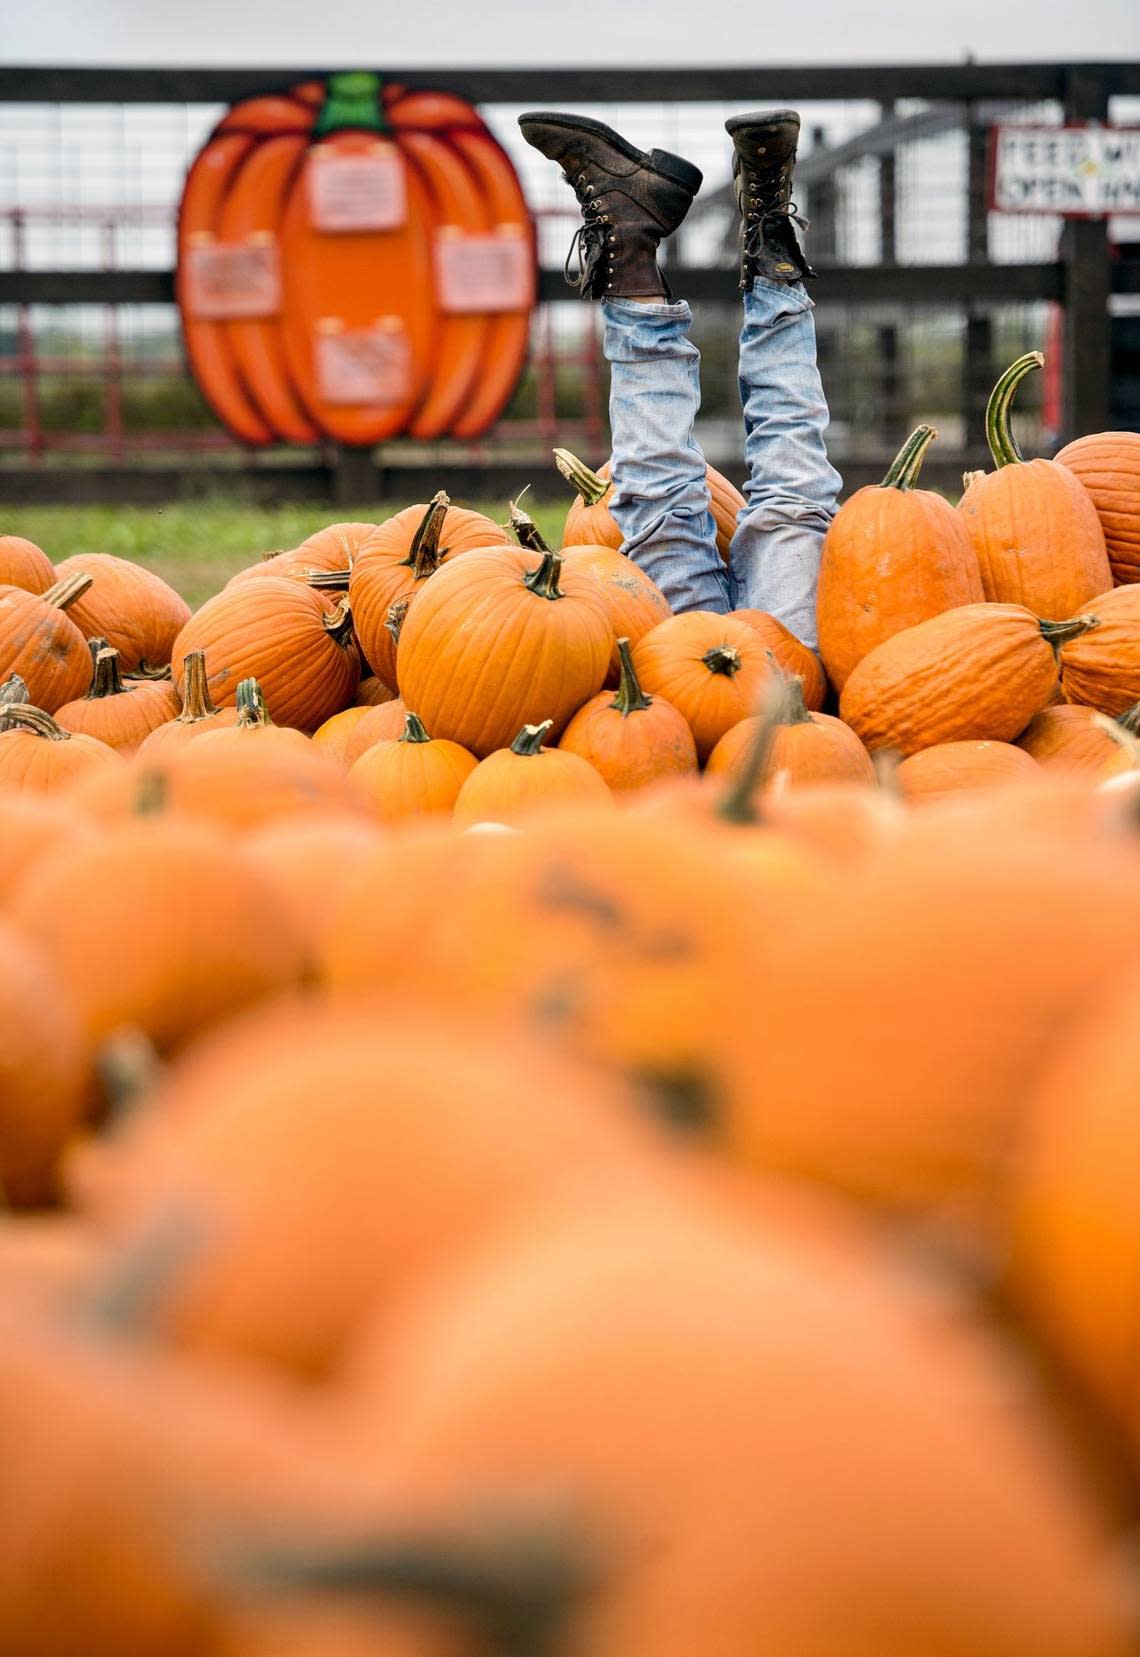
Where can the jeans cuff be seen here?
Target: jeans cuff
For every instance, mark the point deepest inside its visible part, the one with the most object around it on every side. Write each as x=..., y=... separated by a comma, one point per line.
x=628, y=310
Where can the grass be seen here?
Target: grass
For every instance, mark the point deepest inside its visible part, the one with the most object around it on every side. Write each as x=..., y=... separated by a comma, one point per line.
x=197, y=546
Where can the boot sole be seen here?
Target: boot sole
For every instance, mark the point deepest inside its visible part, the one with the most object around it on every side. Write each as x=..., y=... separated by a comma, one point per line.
x=761, y=118
x=673, y=167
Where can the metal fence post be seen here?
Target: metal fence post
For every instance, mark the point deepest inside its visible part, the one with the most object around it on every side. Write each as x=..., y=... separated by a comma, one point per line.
x=977, y=364
x=1087, y=351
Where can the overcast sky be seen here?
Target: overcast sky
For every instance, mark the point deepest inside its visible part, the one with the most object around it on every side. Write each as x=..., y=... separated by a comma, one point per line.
x=576, y=32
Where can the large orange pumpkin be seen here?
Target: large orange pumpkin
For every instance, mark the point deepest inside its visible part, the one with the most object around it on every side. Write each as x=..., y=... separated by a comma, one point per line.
x=332, y=737
x=1070, y=738
x=1033, y=524
x=23, y=564
x=963, y=767
x=792, y=655
x=893, y=556
x=41, y=643
x=497, y=640
x=589, y=521
x=517, y=783
x=42, y=1094
x=630, y=738
x=806, y=747
x=712, y=669
x=1102, y=670
x=129, y=606
x=120, y=714
x=1108, y=464
x=383, y=723
x=413, y=775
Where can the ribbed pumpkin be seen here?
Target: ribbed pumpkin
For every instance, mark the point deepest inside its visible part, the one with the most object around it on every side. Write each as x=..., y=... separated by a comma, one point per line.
x=373, y=692
x=521, y=781
x=42, y=1094
x=160, y=925
x=711, y=668
x=198, y=714
x=37, y=753
x=415, y=775
x=31, y=825
x=131, y=607
x=384, y=723
x=590, y=523
x=23, y=564
x=981, y=672
x=893, y=556
x=1102, y=669
x=963, y=767
x=502, y=638
x=630, y=738
x=396, y=559
x=325, y=551
x=806, y=747
x=794, y=657
x=42, y=644
x=1072, y=739
x=1108, y=464
x=332, y=737
x=295, y=643
x=1033, y=525
x=312, y=861
x=120, y=714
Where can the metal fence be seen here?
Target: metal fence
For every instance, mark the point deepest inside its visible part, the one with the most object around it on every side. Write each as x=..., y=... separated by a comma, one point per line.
x=922, y=291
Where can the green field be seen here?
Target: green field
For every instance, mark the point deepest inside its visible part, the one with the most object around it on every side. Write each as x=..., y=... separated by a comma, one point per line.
x=198, y=545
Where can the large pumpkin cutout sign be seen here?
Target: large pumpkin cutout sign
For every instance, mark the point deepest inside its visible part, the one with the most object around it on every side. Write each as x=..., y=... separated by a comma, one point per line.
x=355, y=261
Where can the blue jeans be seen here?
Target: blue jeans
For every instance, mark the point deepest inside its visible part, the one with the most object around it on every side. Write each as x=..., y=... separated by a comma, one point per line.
x=661, y=499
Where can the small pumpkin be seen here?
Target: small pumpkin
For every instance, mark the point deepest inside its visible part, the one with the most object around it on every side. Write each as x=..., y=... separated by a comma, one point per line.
x=590, y=523
x=37, y=753
x=295, y=643
x=325, y=551
x=631, y=739
x=963, y=767
x=793, y=656
x=384, y=723
x=981, y=671
x=496, y=640
x=121, y=715
x=42, y=1071
x=893, y=556
x=1102, y=670
x=332, y=737
x=711, y=668
x=806, y=747
x=1108, y=464
x=41, y=643
x=198, y=714
x=413, y=776
x=130, y=606
x=24, y=564
x=1033, y=524
x=1072, y=739
x=519, y=782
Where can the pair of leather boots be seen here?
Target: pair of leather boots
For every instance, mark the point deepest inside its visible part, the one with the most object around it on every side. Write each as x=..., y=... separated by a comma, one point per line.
x=631, y=199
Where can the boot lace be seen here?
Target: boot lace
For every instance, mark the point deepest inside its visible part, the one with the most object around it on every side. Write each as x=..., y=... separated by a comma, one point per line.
x=763, y=212
x=588, y=244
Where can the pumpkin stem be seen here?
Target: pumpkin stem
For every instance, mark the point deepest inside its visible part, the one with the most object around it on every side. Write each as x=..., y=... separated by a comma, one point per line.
x=252, y=708
x=738, y=804
x=969, y=479
x=353, y=99
x=589, y=485
x=107, y=681
x=795, y=708
x=630, y=697
x=1129, y=720
x=35, y=719
x=722, y=658
x=328, y=581
x=13, y=694
x=67, y=589
x=414, y=729
x=152, y=794
x=1121, y=735
x=526, y=531
x=999, y=433
x=543, y=581
x=338, y=623
x=529, y=740
x=425, y=557
x=905, y=467
x=397, y=615
x=197, y=702
x=146, y=671
x=1056, y=632
x=128, y=1069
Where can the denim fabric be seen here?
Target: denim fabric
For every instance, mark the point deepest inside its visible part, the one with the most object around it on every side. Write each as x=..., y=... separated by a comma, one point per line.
x=660, y=499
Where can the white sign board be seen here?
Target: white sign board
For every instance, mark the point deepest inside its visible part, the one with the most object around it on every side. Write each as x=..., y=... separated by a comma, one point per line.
x=1078, y=172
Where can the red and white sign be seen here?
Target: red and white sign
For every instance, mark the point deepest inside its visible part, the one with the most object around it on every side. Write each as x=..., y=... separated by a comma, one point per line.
x=365, y=365
x=232, y=281
x=483, y=275
x=1077, y=172
x=357, y=192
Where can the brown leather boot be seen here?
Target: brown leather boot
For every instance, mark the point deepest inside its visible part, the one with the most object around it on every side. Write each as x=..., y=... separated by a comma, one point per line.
x=630, y=200
x=765, y=142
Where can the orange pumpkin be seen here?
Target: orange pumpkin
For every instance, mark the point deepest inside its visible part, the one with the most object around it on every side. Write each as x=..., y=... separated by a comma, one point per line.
x=42, y=1092
x=198, y=713
x=31, y=824
x=963, y=767
x=711, y=668
x=384, y=723
x=159, y=925
x=982, y=671
x=297, y=645
x=1072, y=739
x=590, y=523
x=414, y=775
x=1108, y=464
x=1103, y=670
x=630, y=738
x=311, y=861
x=129, y=606
x=37, y=753
x=793, y=656
x=23, y=564
x=496, y=640
x=521, y=781
x=806, y=747
x=121, y=715
x=393, y=562
x=893, y=556
x=373, y=692
x=327, y=551
x=332, y=737
x=1034, y=527
x=42, y=644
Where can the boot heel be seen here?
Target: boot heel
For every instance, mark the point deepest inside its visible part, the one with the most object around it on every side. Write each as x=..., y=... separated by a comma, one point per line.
x=676, y=168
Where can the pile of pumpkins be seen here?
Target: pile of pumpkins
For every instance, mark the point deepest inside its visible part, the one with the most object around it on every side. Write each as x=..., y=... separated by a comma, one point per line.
x=664, y=1188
